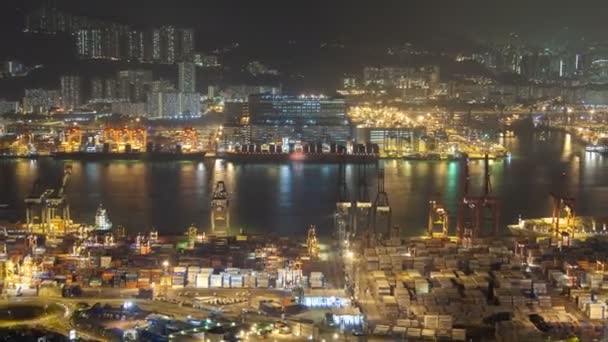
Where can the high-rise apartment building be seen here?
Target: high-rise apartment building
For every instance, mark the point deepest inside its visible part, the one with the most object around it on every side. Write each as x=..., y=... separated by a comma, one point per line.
x=135, y=46
x=40, y=100
x=131, y=84
x=186, y=77
x=156, y=45
x=71, y=91
x=166, y=104
x=186, y=44
x=110, y=89
x=167, y=43
x=97, y=92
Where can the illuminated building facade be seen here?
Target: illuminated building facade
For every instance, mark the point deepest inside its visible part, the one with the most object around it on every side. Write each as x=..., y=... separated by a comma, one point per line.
x=305, y=118
x=40, y=100
x=71, y=91
x=186, y=77
x=167, y=104
x=131, y=84
x=97, y=92
x=135, y=46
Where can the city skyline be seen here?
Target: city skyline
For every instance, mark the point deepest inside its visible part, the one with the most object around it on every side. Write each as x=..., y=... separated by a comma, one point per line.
x=303, y=170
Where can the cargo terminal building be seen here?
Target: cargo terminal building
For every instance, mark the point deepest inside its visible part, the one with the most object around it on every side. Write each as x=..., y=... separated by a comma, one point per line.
x=274, y=118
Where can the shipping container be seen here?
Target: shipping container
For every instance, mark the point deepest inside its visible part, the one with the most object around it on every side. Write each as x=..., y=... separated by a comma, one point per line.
x=202, y=280
x=226, y=280
x=215, y=280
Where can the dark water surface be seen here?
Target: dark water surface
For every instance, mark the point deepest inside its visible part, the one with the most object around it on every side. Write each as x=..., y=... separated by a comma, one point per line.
x=286, y=198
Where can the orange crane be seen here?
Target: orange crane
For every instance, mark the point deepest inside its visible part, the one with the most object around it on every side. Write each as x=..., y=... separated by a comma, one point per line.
x=135, y=138
x=188, y=139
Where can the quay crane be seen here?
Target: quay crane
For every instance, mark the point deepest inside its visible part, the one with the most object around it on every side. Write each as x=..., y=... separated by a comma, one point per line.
x=188, y=140
x=312, y=242
x=42, y=207
x=71, y=139
x=473, y=210
x=438, y=218
x=124, y=139
x=343, y=216
x=562, y=204
x=381, y=211
x=34, y=206
x=363, y=206
x=58, y=202
x=220, y=214
x=193, y=237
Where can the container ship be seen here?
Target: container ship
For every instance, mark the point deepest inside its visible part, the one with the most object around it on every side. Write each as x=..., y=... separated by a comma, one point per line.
x=109, y=153
x=311, y=152
x=582, y=227
x=152, y=156
x=126, y=144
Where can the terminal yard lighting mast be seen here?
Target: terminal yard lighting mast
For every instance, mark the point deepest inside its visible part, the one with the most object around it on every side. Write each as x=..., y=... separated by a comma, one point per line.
x=220, y=214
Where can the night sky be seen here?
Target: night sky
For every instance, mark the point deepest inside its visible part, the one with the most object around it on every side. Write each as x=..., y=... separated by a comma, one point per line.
x=263, y=29
x=377, y=21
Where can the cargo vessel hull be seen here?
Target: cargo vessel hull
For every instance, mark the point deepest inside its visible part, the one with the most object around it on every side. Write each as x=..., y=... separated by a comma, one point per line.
x=152, y=156
x=299, y=157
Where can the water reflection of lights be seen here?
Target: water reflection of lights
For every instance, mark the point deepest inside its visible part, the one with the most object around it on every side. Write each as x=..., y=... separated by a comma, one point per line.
x=567, y=149
x=284, y=184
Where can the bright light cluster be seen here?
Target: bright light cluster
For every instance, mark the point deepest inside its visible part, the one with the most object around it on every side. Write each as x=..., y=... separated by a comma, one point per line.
x=380, y=117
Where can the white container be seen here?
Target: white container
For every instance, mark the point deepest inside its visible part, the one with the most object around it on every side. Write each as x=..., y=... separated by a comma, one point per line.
x=236, y=281
x=226, y=280
x=202, y=280
x=215, y=281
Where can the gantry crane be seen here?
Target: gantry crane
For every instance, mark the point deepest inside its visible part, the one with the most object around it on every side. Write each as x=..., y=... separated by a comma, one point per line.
x=188, y=140
x=42, y=206
x=220, y=214
x=312, y=242
x=343, y=216
x=125, y=139
x=192, y=233
x=57, y=202
x=363, y=205
x=438, y=218
x=381, y=211
x=72, y=139
x=34, y=206
x=473, y=210
x=563, y=204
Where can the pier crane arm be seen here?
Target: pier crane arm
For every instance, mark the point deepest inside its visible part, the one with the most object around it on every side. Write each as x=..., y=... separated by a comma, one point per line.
x=67, y=173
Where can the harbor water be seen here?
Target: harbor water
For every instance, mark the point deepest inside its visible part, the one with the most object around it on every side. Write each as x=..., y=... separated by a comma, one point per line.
x=284, y=198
